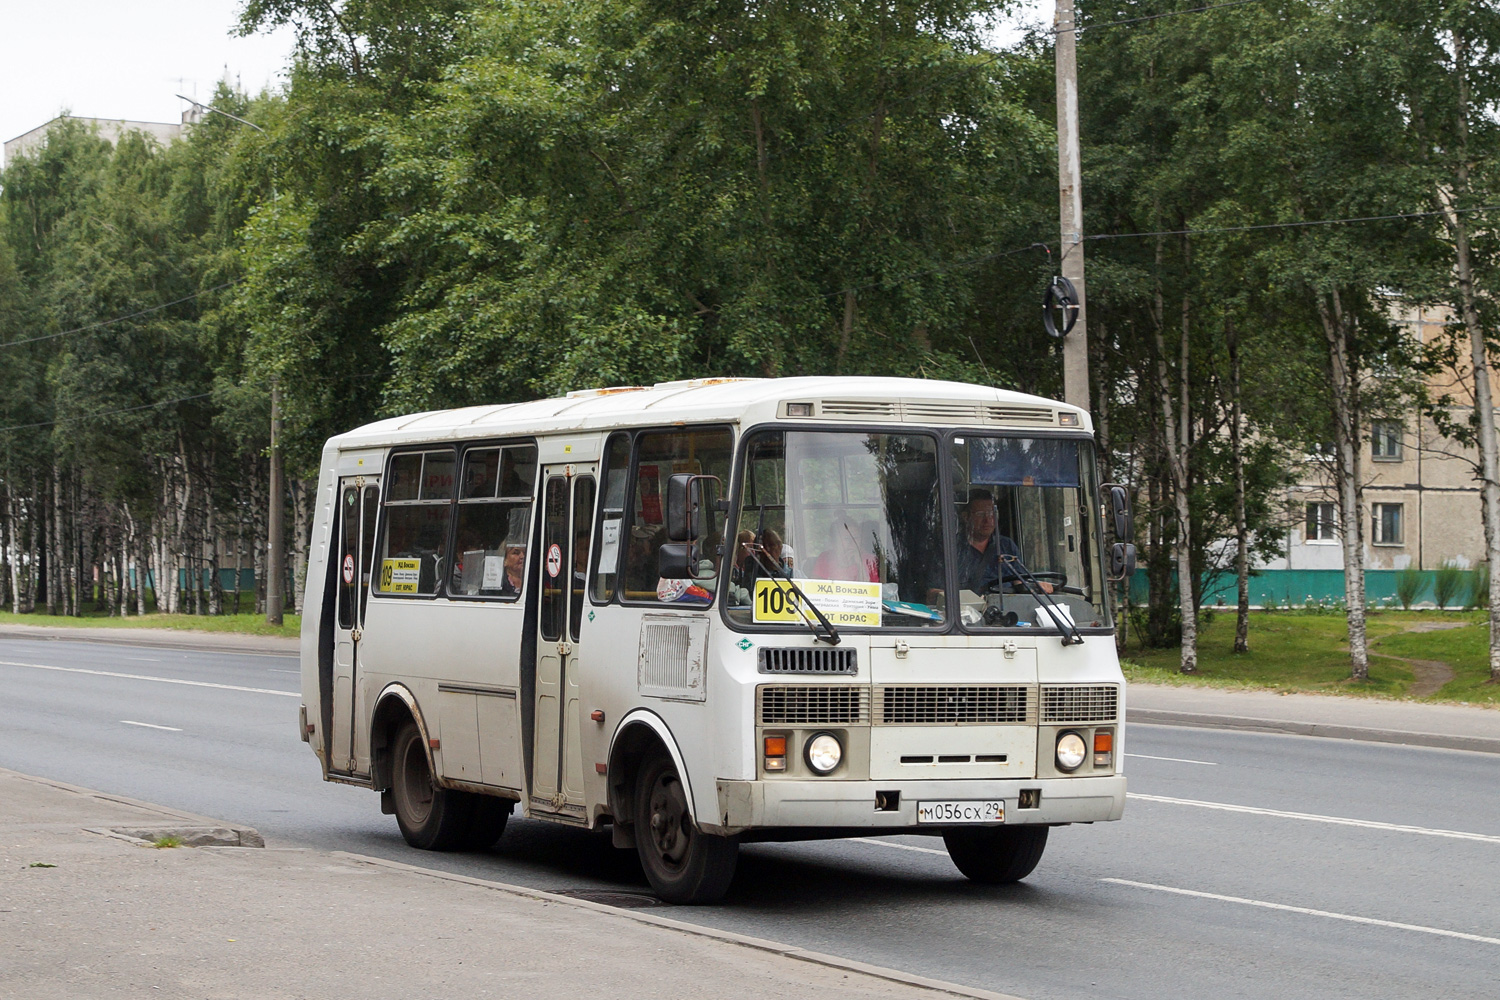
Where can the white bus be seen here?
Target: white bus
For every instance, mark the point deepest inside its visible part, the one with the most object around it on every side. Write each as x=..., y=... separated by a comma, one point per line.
x=713, y=612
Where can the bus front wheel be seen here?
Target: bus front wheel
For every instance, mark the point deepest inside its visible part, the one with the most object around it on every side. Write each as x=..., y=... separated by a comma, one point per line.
x=431, y=818
x=996, y=854
x=683, y=864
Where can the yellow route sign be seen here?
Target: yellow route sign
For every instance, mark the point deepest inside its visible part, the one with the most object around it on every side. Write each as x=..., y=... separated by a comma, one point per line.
x=400, y=576
x=843, y=602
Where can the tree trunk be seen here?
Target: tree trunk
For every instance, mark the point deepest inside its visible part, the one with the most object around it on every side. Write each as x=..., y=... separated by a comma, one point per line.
x=1177, y=462
x=1241, y=528
x=1343, y=382
x=1484, y=405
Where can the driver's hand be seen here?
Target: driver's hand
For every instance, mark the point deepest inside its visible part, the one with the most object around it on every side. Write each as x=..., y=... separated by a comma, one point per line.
x=1046, y=587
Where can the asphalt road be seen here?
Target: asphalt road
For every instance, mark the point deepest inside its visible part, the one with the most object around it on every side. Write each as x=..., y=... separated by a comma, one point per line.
x=1340, y=870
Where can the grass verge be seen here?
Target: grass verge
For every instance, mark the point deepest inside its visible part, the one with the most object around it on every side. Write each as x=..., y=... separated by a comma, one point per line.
x=244, y=624
x=1294, y=651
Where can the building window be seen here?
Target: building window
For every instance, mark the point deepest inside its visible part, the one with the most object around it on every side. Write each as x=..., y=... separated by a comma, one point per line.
x=1385, y=441
x=1386, y=518
x=1322, y=522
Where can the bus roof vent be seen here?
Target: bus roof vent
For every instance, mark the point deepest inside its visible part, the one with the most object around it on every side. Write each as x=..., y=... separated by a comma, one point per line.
x=1033, y=416
x=887, y=408
x=937, y=411
x=607, y=391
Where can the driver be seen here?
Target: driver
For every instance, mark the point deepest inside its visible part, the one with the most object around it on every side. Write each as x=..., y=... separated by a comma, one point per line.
x=980, y=547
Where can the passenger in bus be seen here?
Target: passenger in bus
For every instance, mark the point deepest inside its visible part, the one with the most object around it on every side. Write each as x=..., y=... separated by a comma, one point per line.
x=981, y=546
x=515, y=568
x=844, y=559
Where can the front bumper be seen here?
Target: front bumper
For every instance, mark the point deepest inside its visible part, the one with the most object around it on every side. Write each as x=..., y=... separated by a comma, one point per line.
x=747, y=805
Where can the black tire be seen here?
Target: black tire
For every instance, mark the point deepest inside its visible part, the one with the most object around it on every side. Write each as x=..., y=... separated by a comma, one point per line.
x=995, y=855
x=486, y=822
x=682, y=863
x=431, y=818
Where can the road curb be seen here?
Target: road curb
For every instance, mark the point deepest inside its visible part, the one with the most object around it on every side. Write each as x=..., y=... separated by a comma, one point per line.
x=202, y=642
x=244, y=836
x=1445, y=741
x=744, y=940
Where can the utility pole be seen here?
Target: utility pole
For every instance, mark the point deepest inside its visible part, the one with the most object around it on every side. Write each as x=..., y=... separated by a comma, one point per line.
x=275, y=535
x=1070, y=198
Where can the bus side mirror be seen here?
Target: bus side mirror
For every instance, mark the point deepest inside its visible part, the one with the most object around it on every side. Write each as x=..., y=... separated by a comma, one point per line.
x=1121, y=561
x=686, y=510
x=1119, y=504
x=677, y=560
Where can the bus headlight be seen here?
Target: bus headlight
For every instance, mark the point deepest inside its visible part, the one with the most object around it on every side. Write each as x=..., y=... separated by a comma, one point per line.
x=1071, y=750
x=823, y=753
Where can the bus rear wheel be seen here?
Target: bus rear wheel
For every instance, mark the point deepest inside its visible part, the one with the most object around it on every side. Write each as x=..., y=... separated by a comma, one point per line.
x=431, y=818
x=995, y=855
x=682, y=863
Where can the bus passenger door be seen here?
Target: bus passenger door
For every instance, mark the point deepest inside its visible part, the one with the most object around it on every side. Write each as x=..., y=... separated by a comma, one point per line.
x=557, y=756
x=359, y=500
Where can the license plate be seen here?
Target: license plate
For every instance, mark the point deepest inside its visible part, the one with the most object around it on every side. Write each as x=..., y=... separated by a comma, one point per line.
x=980, y=811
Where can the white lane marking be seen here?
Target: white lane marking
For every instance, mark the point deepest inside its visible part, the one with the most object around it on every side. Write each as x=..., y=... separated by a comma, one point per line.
x=1178, y=760
x=150, y=725
x=145, y=677
x=899, y=847
x=281, y=670
x=1368, y=824
x=1351, y=918
x=145, y=659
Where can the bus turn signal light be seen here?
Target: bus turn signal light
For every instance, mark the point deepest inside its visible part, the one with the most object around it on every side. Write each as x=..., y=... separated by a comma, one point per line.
x=1104, y=743
x=775, y=753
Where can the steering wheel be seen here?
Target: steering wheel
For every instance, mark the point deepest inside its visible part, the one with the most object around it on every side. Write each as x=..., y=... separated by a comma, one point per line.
x=1058, y=580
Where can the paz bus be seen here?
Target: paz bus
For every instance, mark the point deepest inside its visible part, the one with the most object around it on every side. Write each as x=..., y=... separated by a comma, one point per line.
x=719, y=611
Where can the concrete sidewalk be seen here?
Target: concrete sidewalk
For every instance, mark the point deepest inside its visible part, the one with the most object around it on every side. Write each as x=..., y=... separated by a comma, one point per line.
x=89, y=914
x=1455, y=727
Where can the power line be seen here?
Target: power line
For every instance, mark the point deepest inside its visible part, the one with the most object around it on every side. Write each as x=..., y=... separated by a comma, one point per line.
x=106, y=413
x=1291, y=225
x=119, y=319
x=1149, y=17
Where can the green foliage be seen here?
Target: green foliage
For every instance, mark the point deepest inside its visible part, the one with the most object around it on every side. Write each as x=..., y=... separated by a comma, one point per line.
x=1447, y=582
x=1410, y=581
x=1478, y=591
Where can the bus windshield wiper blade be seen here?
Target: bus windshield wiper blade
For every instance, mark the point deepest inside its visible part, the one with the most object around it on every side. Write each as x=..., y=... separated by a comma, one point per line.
x=1044, y=601
x=832, y=638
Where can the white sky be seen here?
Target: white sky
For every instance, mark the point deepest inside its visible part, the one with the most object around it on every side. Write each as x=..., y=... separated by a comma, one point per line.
x=127, y=58
x=124, y=58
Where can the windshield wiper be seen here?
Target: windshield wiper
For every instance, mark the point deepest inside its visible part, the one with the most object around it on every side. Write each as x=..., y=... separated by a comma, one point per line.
x=771, y=565
x=1044, y=601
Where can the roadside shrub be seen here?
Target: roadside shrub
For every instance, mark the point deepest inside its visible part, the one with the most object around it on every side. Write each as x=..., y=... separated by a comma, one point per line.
x=1446, y=583
x=1408, y=586
x=1479, y=588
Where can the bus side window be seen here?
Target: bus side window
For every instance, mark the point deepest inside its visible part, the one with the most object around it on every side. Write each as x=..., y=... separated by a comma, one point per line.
x=659, y=455
x=611, y=518
x=419, y=501
x=493, y=522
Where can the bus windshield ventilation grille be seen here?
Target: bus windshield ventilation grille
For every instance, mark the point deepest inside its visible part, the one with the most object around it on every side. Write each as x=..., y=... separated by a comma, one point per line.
x=1011, y=704
x=814, y=705
x=807, y=660
x=1075, y=703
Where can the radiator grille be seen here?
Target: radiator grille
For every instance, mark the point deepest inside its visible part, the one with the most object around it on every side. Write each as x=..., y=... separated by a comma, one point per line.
x=1076, y=703
x=805, y=660
x=814, y=705
x=990, y=704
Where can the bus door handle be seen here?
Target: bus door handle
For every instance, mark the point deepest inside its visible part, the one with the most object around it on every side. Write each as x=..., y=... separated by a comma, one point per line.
x=564, y=648
x=357, y=634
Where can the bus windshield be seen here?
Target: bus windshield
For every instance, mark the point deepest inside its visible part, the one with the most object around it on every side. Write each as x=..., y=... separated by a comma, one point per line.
x=857, y=519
